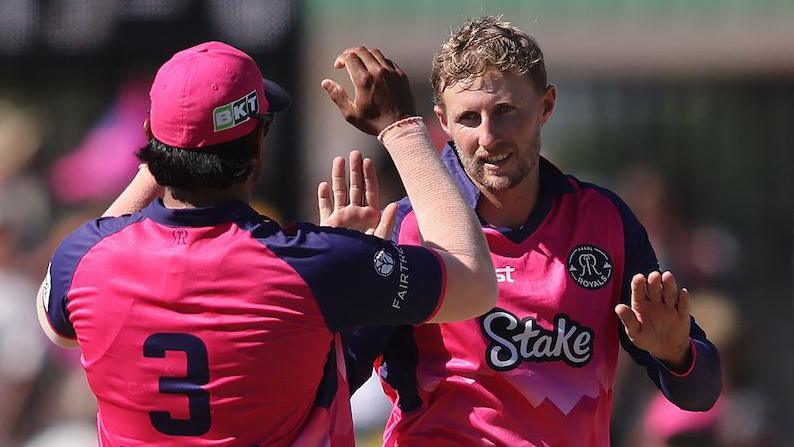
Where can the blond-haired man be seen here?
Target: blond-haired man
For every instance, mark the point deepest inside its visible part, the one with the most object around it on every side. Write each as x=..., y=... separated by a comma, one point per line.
x=571, y=260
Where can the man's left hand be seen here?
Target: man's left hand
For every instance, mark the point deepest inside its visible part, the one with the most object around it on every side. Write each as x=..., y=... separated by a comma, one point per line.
x=658, y=320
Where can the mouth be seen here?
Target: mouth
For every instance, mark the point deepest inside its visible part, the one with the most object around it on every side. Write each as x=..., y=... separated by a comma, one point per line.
x=496, y=160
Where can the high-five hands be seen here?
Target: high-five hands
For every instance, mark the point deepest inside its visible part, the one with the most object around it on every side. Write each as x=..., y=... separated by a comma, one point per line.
x=658, y=319
x=382, y=94
x=359, y=207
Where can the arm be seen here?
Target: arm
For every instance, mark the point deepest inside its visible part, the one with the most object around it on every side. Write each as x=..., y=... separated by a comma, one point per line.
x=137, y=195
x=659, y=332
x=42, y=306
x=383, y=106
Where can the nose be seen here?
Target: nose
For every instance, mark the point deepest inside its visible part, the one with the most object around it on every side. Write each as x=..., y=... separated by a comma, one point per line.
x=487, y=135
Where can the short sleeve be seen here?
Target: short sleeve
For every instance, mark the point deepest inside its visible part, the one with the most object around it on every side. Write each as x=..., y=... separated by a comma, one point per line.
x=359, y=279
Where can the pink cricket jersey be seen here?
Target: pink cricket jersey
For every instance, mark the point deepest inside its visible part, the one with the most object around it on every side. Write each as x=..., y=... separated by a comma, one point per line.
x=538, y=369
x=216, y=327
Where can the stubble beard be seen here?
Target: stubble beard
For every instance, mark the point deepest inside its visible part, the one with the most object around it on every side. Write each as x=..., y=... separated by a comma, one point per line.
x=475, y=169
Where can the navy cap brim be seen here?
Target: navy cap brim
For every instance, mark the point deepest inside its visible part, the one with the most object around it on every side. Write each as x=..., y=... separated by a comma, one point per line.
x=277, y=98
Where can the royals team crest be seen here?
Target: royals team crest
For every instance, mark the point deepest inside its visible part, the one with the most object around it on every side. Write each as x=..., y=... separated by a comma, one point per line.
x=589, y=266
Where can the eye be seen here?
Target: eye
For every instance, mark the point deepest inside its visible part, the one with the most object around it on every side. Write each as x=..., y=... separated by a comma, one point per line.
x=502, y=109
x=469, y=119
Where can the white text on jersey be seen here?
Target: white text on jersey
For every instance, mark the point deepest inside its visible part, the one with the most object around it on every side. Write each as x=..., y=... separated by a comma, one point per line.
x=513, y=341
x=504, y=274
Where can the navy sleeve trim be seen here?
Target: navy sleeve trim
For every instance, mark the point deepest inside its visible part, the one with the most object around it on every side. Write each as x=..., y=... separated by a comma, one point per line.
x=697, y=389
x=358, y=279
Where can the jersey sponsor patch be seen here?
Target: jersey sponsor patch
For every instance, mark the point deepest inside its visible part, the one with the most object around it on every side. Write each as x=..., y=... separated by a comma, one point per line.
x=589, y=266
x=235, y=113
x=383, y=263
x=513, y=340
x=46, y=289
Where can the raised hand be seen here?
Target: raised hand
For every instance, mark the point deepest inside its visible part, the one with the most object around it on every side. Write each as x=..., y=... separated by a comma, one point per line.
x=356, y=208
x=658, y=320
x=382, y=94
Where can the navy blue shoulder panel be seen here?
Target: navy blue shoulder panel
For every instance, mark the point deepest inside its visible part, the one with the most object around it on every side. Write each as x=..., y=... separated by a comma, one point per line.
x=359, y=279
x=66, y=259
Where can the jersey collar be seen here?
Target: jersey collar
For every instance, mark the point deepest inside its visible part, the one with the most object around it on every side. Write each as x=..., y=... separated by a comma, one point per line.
x=552, y=181
x=232, y=211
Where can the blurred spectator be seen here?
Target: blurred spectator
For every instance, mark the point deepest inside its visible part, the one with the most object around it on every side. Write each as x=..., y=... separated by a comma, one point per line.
x=741, y=416
x=699, y=255
x=102, y=164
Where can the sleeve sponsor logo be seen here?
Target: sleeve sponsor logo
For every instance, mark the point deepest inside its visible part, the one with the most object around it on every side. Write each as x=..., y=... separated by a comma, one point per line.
x=589, y=266
x=383, y=263
x=235, y=113
x=46, y=289
x=403, y=283
x=514, y=341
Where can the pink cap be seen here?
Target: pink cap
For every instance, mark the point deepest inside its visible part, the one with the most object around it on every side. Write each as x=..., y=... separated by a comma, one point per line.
x=209, y=94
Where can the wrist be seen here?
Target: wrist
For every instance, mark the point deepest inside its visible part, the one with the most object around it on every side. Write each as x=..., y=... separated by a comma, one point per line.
x=678, y=359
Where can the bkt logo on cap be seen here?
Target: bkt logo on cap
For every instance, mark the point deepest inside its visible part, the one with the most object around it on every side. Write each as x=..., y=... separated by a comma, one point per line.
x=236, y=112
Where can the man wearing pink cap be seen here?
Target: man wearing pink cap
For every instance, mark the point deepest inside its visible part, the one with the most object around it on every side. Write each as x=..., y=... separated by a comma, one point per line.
x=202, y=323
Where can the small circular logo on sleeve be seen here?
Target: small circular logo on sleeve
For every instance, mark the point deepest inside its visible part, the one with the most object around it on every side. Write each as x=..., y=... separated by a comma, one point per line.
x=383, y=263
x=589, y=266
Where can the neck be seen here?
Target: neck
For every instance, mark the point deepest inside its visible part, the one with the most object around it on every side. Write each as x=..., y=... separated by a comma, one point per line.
x=510, y=207
x=197, y=198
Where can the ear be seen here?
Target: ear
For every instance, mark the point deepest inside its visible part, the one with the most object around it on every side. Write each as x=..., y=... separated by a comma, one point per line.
x=549, y=100
x=147, y=129
x=441, y=114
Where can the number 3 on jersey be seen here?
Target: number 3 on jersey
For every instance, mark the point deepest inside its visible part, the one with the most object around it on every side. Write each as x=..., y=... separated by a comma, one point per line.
x=190, y=385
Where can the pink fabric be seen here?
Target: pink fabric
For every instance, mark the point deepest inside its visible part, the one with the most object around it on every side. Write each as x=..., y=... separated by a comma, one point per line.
x=190, y=86
x=537, y=403
x=252, y=324
x=664, y=420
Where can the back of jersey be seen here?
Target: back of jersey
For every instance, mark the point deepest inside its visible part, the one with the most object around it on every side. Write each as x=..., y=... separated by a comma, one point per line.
x=193, y=332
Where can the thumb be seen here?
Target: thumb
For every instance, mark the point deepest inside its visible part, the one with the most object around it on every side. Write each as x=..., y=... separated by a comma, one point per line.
x=629, y=319
x=338, y=95
x=387, y=220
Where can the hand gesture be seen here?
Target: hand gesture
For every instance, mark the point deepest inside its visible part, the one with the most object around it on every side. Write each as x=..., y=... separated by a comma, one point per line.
x=382, y=94
x=658, y=319
x=360, y=210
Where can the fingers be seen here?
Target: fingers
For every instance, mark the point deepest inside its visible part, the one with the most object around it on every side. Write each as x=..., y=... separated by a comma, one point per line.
x=338, y=95
x=369, y=60
x=655, y=287
x=639, y=290
x=371, y=184
x=684, y=303
x=387, y=219
x=388, y=63
x=339, y=182
x=356, y=67
x=630, y=321
x=357, y=186
x=324, y=201
x=669, y=289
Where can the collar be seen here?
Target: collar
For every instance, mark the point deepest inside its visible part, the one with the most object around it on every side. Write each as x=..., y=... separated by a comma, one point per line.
x=232, y=211
x=552, y=181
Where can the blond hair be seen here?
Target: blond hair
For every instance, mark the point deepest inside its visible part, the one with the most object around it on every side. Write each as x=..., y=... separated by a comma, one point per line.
x=484, y=45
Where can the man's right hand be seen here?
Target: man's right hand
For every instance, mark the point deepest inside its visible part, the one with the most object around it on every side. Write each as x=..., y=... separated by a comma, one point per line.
x=382, y=93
